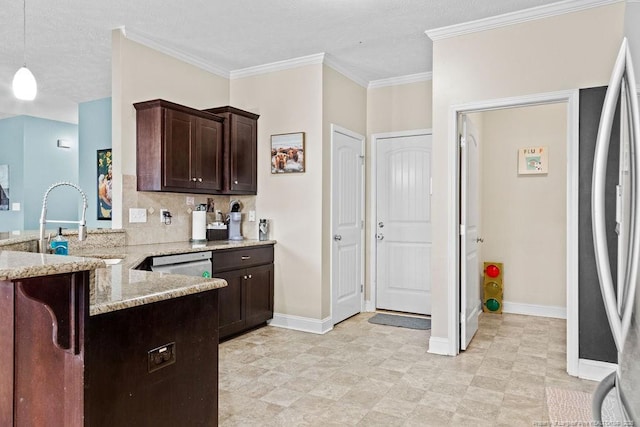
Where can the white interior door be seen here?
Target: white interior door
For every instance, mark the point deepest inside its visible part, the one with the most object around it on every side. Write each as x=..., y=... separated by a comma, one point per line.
x=347, y=219
x=470, y=303
x=403, y=223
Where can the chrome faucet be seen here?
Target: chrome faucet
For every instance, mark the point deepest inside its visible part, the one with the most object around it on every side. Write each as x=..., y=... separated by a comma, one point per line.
x=82, y=224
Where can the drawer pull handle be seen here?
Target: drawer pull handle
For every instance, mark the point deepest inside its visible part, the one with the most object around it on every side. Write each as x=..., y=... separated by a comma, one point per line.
x=245, y=257
x=249, y=276
x=244, y=277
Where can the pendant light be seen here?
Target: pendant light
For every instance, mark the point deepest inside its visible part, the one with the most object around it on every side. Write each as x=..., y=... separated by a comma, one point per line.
x=24, y=83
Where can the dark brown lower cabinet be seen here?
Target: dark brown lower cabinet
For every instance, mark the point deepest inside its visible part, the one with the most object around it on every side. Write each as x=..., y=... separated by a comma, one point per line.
x=247, y=301
x=151, y=365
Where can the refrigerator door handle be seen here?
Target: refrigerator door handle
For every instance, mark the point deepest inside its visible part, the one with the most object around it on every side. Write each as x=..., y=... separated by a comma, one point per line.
x=622, y=78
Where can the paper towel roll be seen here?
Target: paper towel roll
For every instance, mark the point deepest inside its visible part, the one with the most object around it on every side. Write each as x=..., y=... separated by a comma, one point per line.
x=199, y=225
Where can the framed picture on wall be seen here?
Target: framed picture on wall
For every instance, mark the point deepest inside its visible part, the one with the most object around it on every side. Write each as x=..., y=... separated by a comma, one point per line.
x=287, y=153
x=4, y=187
x=533, y=161
x=104, y=168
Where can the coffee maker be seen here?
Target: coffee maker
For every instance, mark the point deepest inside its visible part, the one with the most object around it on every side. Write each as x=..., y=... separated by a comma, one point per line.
x=235, y=219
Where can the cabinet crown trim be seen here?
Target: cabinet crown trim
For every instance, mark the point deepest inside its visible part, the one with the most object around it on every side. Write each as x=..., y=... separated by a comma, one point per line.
x=139, y=106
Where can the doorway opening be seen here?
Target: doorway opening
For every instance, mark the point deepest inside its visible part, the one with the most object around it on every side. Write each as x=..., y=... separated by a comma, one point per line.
x=457, y=291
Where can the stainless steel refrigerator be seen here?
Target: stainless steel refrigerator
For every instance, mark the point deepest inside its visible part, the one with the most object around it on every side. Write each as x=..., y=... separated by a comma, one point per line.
x=619, y=393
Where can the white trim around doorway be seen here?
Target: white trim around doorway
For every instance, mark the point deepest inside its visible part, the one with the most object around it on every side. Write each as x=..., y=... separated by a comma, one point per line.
x=370, y=304
x=571, y=98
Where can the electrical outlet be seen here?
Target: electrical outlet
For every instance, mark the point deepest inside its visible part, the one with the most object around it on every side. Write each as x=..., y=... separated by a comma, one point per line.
x=252, y=216
x=162, y=211
x=137, y=215
x=190, y=201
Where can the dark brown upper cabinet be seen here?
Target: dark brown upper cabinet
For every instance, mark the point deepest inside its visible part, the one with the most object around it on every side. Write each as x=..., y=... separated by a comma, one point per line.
x=240, y=152
x=179, y=149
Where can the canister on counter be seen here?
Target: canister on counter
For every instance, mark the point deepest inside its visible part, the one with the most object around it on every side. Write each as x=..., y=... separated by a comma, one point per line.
x=263, y=229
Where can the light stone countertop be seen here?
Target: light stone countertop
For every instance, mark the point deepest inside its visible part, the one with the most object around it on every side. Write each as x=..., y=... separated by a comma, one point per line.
x=24, y=265
x=120, y=286
x=133, y=255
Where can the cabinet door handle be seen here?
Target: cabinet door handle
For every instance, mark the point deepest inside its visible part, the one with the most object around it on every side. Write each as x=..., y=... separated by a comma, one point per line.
x=235, y=182
x=245, y=257
x=193, y=179
x=199, y=179
x=249, y=276
x=244, y=277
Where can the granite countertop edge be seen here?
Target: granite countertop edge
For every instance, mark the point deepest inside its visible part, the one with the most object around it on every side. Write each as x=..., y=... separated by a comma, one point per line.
x=97, y=308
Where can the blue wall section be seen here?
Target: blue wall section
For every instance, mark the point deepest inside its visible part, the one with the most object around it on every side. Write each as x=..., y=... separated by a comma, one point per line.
x=45, y=164
x=11, y=153
x=94, y=133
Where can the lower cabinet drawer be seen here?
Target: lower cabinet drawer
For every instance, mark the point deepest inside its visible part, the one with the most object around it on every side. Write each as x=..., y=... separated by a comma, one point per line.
x=233, y=259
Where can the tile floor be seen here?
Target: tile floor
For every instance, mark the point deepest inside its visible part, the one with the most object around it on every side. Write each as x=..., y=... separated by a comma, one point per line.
x=365, y=374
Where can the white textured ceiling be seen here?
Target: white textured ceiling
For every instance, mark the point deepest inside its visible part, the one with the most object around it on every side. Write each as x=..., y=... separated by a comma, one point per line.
x=69, y=41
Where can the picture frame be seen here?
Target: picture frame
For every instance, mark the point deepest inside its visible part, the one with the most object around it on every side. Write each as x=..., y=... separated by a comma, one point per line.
x=533, y=161
x=4, y=187
x=104, y=184
x=288, y=153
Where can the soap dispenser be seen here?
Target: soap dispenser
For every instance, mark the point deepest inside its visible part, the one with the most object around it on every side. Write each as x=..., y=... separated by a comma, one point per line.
x=60, y=245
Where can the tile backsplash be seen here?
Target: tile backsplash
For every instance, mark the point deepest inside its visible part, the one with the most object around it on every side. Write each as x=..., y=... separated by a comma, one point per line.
x=154, y=231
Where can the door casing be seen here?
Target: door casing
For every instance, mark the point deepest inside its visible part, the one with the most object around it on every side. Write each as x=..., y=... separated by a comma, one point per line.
x=571, y=98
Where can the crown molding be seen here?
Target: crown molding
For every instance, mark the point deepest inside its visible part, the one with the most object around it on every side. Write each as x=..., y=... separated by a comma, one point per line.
x=333, y=63
x=539, y=12
x=147, y=41
x=401, y=80
x=317, y=58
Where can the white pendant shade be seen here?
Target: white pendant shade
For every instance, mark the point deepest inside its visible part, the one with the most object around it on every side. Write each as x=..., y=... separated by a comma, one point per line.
x=24, y=84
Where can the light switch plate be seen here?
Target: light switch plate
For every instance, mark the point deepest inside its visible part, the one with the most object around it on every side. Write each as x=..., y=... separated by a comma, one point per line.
x=252, y=216
x=137, y=215
x=190, y=201
x=15, y=206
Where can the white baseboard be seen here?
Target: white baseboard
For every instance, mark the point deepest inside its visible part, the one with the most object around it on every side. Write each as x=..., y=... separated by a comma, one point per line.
x=558, y=312
x=304, y=324
x=439, y=346
x=594, y=370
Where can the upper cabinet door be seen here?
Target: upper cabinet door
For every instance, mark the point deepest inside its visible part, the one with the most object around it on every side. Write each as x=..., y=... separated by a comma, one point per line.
x=177, y=153
x=208, y=154
x=178, y=149
x=243, y=156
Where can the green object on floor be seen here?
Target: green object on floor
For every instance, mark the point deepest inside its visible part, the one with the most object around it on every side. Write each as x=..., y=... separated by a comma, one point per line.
x=401, y=321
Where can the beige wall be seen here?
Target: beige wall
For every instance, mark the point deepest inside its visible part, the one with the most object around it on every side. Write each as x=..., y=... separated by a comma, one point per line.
x=140, y=74
x=344, y=103
x=557, y=53
x=290, y=101
x=399, y=107
x=524, y=216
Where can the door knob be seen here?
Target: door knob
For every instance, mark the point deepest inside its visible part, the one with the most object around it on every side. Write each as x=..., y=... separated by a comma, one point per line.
x=381, y=224
x=337, y=237
x=379, y=236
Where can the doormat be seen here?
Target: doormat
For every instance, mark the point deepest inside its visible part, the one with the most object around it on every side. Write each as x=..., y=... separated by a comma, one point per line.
x=401, y=321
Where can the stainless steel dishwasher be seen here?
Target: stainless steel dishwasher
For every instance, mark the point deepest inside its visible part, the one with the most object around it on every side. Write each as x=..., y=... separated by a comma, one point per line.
x=189, y=264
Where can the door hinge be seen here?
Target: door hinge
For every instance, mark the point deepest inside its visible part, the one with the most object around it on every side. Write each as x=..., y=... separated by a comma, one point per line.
x=361, y=224
x=431, y=186
x=463, y=141
x=462, y=230
x=361, y=287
